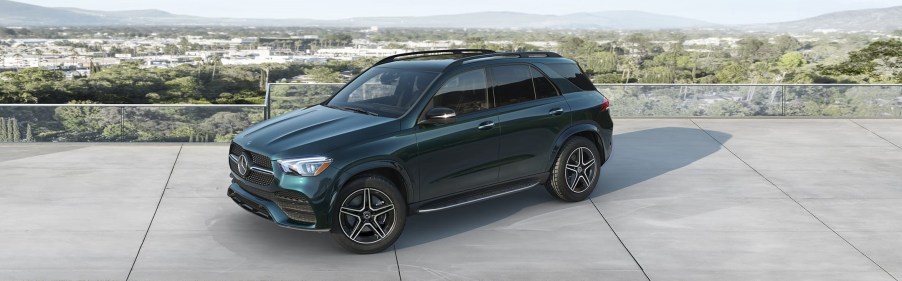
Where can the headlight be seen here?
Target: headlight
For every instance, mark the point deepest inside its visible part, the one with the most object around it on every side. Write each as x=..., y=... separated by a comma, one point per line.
x=307, y=167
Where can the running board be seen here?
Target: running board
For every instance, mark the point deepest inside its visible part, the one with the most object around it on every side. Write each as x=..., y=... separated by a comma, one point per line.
x=479, y=195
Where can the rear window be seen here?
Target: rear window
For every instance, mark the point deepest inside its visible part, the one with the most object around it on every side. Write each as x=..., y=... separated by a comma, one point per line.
x=576, y=76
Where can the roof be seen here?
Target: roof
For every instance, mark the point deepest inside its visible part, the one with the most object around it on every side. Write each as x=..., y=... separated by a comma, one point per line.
x=420, y=65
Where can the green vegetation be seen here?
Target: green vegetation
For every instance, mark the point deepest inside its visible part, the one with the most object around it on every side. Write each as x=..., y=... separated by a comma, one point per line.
x=128, y=83
x=608, y=57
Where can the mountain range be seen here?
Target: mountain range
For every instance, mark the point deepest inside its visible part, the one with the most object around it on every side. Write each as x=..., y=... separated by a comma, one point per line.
x=20, y=14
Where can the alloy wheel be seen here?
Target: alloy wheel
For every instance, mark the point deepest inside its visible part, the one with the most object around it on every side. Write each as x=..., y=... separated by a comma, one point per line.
x=580, y=169
x=367, y=216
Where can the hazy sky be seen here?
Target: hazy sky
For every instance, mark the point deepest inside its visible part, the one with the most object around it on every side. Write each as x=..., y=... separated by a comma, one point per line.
x=716, y=11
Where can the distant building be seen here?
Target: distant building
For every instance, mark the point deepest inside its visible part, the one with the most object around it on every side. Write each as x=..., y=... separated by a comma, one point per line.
x=349, y=53
x=244, y=41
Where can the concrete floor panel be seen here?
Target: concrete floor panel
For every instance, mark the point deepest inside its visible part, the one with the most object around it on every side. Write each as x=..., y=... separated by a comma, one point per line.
x=838, y=184
x=275, y=254
x=857, y=214
x=691, y=275
x=49, y=254
x=883, y=247
x=693, y=214
x=769, y=251
x=690, y=199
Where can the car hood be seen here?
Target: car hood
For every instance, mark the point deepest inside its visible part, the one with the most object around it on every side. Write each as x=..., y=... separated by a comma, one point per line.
x=313, y=132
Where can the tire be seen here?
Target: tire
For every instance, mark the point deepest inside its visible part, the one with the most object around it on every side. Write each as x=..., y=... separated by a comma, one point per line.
x=369, y=214
x=571, y=181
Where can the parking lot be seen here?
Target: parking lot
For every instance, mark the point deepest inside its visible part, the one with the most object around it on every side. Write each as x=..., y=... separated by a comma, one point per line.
x=680, y=199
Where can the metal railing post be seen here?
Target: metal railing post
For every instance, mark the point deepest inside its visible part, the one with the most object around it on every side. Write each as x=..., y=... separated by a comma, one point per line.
x=783, y=100
x=121, y=123
x=267, y=103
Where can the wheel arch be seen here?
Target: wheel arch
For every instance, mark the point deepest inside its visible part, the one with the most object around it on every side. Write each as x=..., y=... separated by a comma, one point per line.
x=586, y=130
x=391, y=169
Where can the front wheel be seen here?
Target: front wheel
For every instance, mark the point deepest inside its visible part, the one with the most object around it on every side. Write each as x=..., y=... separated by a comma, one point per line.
x=575, y=171
x=369, y=216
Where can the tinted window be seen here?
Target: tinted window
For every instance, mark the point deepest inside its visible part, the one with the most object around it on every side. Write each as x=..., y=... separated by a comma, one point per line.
x=574, y=74
x=385, y=91
x=512, y=84
x=544, y=88
x=464, y=93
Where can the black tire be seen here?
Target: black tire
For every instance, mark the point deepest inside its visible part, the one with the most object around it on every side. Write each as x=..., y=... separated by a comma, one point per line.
x=367, y=226
x=571, y=181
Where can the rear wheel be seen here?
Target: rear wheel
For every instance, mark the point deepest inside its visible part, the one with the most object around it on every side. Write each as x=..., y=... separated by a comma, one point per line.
x=575, y=171
x=369, y=216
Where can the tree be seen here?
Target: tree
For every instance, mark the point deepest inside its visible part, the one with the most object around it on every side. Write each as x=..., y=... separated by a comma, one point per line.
x=4, y=132
x=880, y=61
x=601, y=62
x=29, y=136
x=786, y=43
x=217, y=60
x=732, y=73
x=85, y=123
x=182, y=89
x=13, y=130
x=324, y=75
x=184, y=45
x=31, y=85
x=658, y=75
x=789, y=63
x=639, y=43
x=751, y=49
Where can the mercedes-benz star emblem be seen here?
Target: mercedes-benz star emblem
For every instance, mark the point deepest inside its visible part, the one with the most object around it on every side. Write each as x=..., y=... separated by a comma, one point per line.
x=243, y=164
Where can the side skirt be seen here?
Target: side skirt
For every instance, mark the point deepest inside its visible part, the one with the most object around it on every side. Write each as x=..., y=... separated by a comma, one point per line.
x=481, y=194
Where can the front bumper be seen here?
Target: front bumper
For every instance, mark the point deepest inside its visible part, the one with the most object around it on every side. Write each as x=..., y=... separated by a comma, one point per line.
x=285, y=208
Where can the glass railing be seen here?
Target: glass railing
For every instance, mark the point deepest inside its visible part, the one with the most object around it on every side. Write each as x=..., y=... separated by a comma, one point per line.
x=731, y=100
x=125, y=123
x=693, y=100
x=219, y=123
x=284, y=97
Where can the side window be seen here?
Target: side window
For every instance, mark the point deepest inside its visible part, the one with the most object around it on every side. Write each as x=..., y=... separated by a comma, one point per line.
x=512, y=84
x=464, y=93
x=519, y=83
x=544, y=88
x=571, y=72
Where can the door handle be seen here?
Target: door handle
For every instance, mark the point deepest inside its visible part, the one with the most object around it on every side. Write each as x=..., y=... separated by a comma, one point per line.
x=556, y=111
x=486, y=125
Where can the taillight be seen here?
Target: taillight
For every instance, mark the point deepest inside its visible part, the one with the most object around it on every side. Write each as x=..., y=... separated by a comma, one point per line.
x=605, y=104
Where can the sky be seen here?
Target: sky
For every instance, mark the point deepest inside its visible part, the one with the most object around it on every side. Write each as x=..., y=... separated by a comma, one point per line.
x=714, y=11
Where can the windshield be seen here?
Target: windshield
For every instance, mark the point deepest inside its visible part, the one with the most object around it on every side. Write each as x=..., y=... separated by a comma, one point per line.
x=383, y=91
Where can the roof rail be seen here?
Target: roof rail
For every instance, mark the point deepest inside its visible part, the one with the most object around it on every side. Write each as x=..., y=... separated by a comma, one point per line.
x=422, y=54
x=505, y=55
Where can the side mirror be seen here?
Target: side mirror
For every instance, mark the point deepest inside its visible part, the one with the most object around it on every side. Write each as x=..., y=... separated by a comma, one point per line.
x=440, y=115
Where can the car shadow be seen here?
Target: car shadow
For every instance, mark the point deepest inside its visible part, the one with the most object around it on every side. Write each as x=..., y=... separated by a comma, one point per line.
x=637, y=156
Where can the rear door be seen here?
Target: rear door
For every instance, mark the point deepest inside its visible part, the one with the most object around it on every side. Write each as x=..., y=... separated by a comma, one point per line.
x=532, y=116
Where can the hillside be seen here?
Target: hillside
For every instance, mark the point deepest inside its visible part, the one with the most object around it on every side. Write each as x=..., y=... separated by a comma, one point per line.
x=884, y=19
x=600, y=20
x=19, y=14
x=15, y=13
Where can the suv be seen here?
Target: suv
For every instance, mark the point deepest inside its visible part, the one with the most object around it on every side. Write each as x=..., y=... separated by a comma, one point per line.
x=423, y=132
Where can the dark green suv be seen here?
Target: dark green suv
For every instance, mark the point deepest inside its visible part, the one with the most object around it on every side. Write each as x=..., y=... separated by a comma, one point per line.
x=422, y=132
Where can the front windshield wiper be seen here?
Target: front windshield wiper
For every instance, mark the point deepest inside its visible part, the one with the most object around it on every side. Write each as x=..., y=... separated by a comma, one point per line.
x=354, y=109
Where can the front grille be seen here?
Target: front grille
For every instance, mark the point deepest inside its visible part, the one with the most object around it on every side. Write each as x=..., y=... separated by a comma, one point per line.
x=258, y=160
x=293, y=203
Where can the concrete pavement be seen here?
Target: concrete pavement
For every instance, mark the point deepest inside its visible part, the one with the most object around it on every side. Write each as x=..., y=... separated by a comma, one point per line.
x=681, y=199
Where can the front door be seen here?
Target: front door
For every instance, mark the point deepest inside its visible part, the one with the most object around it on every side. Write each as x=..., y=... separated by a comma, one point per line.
x=462, y=155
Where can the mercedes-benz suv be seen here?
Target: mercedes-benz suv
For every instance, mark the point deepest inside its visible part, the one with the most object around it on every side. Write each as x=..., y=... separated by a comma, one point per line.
x=423, y=132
